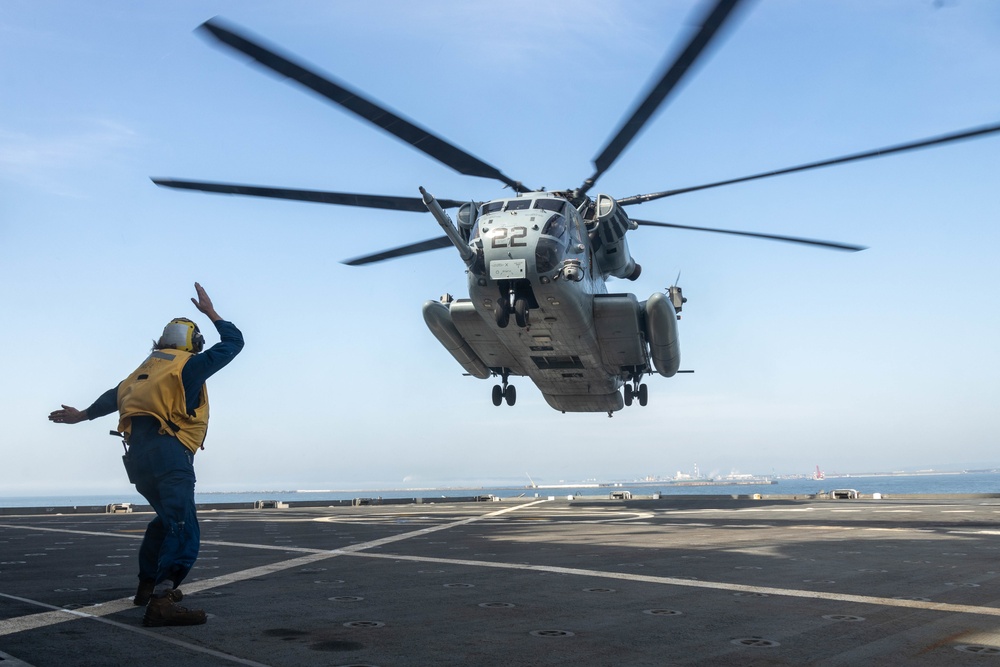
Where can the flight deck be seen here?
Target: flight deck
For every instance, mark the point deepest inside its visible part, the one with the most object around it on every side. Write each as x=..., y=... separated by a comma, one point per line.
x=679, y=580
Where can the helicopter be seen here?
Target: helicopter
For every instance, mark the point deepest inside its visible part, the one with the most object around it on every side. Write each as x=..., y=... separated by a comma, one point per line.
x=538, y=262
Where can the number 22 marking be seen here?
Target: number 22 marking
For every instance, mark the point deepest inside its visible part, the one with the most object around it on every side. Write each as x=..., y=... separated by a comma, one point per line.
x=503, y=237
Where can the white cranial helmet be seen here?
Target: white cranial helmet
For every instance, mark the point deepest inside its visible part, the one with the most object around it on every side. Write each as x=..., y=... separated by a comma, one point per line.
x=182, y=334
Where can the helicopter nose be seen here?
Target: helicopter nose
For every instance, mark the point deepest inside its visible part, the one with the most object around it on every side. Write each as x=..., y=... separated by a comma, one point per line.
x=508, y=252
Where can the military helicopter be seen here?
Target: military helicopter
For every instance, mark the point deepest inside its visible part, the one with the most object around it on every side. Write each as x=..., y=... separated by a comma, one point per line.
x=543, y=257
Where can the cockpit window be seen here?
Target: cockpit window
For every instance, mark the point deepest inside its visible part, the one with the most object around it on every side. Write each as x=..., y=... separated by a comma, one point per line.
x=550, y=204
x=492, y=207
x=551, y=246
x=555, y=226
x=518, y=204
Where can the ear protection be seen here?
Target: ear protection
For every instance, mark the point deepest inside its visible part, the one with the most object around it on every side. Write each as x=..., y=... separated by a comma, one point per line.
x=182, y=334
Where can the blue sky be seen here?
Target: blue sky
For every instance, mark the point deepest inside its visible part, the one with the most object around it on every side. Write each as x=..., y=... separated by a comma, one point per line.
x=880, y=360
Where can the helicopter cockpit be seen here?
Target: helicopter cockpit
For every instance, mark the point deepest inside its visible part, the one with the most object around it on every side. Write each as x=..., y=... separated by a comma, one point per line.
x=552, y=244
x=558, y=232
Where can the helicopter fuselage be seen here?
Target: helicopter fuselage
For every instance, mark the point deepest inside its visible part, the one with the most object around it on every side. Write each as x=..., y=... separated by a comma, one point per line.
x=533, y=257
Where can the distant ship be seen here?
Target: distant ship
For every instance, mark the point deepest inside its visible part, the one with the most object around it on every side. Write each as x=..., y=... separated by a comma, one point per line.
x=724, y=481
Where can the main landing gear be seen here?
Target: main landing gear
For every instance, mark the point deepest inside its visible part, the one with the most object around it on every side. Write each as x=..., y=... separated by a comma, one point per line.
x=636, y=390
x=504, y=392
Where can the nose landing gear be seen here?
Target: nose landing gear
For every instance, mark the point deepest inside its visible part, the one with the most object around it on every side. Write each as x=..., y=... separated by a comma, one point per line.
x=520, y=307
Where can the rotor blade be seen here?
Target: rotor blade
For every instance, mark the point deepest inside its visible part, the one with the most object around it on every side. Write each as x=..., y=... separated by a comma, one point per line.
x=771, y=237
x=971, y=133
x=319, y=196
x=402, y=251
x=671, y=76
x=339, y=94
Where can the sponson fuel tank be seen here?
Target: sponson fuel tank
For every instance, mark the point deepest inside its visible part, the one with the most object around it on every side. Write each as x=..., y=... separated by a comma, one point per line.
x=438, y=319
x=661, y=332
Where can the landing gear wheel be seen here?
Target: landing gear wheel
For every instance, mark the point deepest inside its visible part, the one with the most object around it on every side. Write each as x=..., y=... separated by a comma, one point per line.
x=521, y=312
x=510, y=394
x=643, y=395
x=497, y=395
x=628, y=394
x=502, y=314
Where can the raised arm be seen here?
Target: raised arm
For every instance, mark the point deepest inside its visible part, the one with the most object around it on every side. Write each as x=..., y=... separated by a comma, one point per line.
x=204, y=303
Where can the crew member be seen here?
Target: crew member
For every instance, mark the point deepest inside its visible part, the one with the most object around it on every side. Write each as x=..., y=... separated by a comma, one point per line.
x=163, y=416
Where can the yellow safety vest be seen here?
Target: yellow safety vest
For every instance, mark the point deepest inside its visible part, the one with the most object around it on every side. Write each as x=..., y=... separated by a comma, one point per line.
x=156, y=389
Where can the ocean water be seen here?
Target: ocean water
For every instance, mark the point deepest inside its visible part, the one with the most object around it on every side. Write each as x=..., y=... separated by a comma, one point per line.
x=887, y=485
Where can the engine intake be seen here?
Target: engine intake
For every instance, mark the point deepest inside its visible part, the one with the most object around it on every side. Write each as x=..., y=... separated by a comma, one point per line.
x=610, y=247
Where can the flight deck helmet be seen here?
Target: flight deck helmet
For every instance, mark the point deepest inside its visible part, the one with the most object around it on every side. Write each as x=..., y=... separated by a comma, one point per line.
x=181, y=334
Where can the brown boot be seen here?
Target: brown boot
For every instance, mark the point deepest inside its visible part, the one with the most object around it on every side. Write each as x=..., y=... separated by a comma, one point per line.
x=145, y=591
x=164, y=611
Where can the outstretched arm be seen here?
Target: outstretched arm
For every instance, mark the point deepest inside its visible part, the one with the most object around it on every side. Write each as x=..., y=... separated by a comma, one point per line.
x=104, y=405
x=68, y=415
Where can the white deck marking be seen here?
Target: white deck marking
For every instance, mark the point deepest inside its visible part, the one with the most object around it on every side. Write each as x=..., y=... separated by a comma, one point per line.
x=70, y=531
x=10, y=661
x=690, y=583
x=58, y=615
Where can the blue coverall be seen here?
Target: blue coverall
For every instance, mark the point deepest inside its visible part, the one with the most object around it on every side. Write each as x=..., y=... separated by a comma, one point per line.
x=162, y=468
